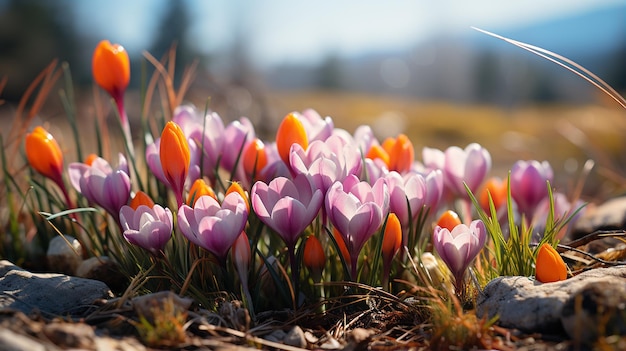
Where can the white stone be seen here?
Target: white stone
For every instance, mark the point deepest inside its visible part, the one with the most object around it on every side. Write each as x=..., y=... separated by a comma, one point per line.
x=64, y=254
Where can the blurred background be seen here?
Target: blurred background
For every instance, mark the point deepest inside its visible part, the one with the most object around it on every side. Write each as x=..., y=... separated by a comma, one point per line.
x=415, y=67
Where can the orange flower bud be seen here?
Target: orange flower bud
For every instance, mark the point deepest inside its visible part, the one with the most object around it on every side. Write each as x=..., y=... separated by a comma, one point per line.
x=235, y=187
x=449, y=220
x=175, y=157
x=345, y=254
x=254, y=157
x=549, y=266
x=141, y=198
x=401, y=153
x=314, y=258
x=498, y=190
x=377, y=151
x=90, y=158
x=392, y=238
x=291, y=131
x=111, y=68
x=199, y=188
x=44, y=154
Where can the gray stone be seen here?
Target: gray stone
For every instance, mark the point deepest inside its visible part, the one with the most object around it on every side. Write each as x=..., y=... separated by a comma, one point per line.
x=597, y=310
x=53, y=294
x=295, y=337
x=528, y=305
x=11, y=341
x=64, y=254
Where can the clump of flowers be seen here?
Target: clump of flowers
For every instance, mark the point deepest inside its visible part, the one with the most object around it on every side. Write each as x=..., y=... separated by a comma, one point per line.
x=216, y=209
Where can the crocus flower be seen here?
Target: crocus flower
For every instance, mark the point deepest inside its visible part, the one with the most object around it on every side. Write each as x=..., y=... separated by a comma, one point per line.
x=314, y=258
x=175, y=157
x=44, y=155
x=101, y=184
x=392, y=240
x=237, y=135
x=290, y=131
x=458, y=247
x=254, y=158
x=241, y=255
x=496, y=189
x=288, y=207
x=357, y=210
x=406, y=197
x=401, y=153
x=469, y=166
x=235, y=187
x=377, y=152
x=147, y=227
x=549, y=266
x=111, y=70
x=529, y=184
x=212, y=226
x=316, y=127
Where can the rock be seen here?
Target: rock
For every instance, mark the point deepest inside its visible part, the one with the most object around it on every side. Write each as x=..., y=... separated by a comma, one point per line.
x=64, y=254
x=277, y=335
x=104, y=269
x=531, y=306
x=11, y=341
x=596, y=310
x=49, y=293
x=610, y=215
x=70, y=335
x=295, y=337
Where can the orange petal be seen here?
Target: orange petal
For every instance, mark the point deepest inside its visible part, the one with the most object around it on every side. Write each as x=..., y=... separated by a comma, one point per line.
x=44, y=154
x=111, y=67
x=498, y=190
x=549, y=266
x=254, y=157
x=314, y=257
x=141, y=198
x=90, y=158
x=392, y=238
x=199, y=188
x=449, y=220
x=291, y=131
x=401, y=154
x=342, y=246
x=235, y=187
x=378, y=152
x=174, y=153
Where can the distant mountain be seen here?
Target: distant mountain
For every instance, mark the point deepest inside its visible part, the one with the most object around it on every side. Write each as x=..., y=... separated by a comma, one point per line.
x=477, y=67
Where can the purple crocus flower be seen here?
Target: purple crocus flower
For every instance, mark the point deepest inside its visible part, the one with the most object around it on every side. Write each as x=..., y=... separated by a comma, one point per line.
x=237, y=135
x=317, y=128
x=459, y=247
x=357, y=209
x=206, y=131
x=326, y=161
x=406, y=197
x=528, y=184
x=287, y=206
x=469, y=166
x=148, y=228
x=212, y=226
x=101, y=184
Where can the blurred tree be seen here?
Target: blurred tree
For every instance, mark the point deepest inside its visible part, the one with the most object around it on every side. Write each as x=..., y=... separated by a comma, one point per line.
x=486, y=87
x=328, y=73
x=32, y=34
x=173, y=30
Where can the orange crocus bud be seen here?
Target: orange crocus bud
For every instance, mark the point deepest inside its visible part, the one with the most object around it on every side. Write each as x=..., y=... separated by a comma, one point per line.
x=401, y=153
x=175, y=157
x=44, y=154
x=111, y=68
x=199, y=188
x=291, y=131
x=141, y=198
x=345, y=254
x=90, y=158
x=392, y=238
x=314, y=258
x=497, y=188
x=377, y=151
x=449, y=220
x=254, y=157
x=549, y=266
x=235, y=187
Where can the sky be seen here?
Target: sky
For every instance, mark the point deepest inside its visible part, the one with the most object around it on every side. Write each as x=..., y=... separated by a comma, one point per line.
x=283, y=31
